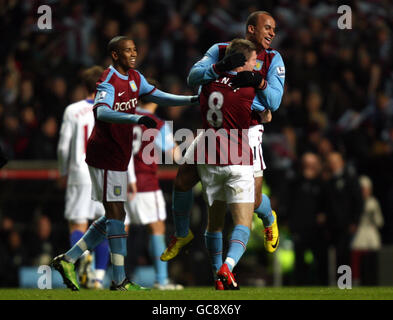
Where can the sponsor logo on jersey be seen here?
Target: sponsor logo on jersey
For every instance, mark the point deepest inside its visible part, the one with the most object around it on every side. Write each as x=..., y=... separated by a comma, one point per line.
x=117, y=190
x=281, y=71
x=121, y=93
x=125, y=106
x=259, y=65
x=133, y=86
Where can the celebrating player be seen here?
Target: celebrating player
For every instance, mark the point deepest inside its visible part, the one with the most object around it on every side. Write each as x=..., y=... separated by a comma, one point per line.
x=147, y=207
x=268, y=78
x=227, y=173
x=108, y=154
x=77, y=125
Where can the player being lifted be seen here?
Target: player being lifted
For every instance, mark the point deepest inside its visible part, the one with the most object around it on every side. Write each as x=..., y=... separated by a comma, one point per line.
x=147, y=207
x=227, y=173
x=268, y=78
x=77, y=125
x=108, y=154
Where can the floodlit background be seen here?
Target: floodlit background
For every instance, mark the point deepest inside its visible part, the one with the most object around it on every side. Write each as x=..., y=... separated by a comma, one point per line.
x=338, y=98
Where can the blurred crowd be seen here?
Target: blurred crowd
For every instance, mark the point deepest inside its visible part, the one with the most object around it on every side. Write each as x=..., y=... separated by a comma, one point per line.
x=335, y=122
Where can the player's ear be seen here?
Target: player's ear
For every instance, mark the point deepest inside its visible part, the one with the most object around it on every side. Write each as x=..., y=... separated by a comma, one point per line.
x=114, y=55
x=251, y=29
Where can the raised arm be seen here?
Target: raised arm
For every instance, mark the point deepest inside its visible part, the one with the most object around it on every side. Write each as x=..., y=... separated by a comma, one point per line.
x=209, y=67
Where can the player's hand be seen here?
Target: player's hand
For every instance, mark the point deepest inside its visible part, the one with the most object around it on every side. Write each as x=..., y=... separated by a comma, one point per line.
x=247, y=79
x=230, y=62
x=266, y=116
x=147, y=121
x=194, y=100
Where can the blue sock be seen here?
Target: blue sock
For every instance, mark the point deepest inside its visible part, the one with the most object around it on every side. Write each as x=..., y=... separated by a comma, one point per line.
x=102, y=255
x=118, y=247
x=156, y=247
x=75, y=237
x=264, y=211
x=181, y=207
x=213, y=241
x=237, y=245
x=92, y=238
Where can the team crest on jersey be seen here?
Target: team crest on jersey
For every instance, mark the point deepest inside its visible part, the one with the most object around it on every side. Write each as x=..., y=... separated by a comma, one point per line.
x=259, y=65
x=133, y=86
x=117, y=190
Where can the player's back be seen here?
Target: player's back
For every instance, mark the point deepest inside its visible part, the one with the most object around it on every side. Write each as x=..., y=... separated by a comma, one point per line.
x=79, y=119
x=227, y=112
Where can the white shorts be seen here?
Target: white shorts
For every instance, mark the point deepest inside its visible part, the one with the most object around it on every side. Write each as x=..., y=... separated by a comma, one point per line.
x=79, y=208
x=255, y=140
x=232, y=184
x=146, y=208
x=107, y=185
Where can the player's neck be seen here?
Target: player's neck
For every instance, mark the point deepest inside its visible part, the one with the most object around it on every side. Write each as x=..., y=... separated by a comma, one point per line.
x=121, y=70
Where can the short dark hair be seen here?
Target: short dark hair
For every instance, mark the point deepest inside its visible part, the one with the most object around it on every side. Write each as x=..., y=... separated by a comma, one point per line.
x=114, y=44
x=241, y=45
x=253, y=18
x=90, y=77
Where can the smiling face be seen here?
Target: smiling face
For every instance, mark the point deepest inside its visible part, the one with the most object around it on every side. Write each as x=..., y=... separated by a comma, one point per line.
x=125, y=56
x=263, y=32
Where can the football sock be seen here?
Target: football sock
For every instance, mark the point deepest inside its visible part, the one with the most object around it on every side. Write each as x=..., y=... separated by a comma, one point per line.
x=156, y=247
x=93, y=236
x=102, y=256
x=264, y=211
x=237, y=245
x=213, y=241
x=181, y=207
x=118, y=247
x=75, y=236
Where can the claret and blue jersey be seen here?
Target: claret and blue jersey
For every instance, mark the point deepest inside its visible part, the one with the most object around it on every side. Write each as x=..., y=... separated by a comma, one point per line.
x=109, y=146
x=269, y=64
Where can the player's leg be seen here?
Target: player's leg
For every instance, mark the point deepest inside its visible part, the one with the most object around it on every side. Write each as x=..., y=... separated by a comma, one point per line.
x=77, y=211
x=262, y=202
x=213, y=238
x=239, y=194
x=187, y=177
x=101, y=251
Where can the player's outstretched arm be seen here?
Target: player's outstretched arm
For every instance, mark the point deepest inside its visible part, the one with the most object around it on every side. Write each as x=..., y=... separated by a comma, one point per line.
x=104, y=113
x=167, y=99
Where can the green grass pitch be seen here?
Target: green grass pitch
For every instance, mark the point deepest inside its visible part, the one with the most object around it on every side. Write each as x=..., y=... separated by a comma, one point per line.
x=206, y=293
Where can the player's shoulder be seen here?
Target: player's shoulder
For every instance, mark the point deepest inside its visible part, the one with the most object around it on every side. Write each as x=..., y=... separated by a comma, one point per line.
x=217, y=47
x=274, y=53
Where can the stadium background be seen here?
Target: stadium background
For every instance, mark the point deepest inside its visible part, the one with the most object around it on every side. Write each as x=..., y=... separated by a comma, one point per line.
x=338, y=96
